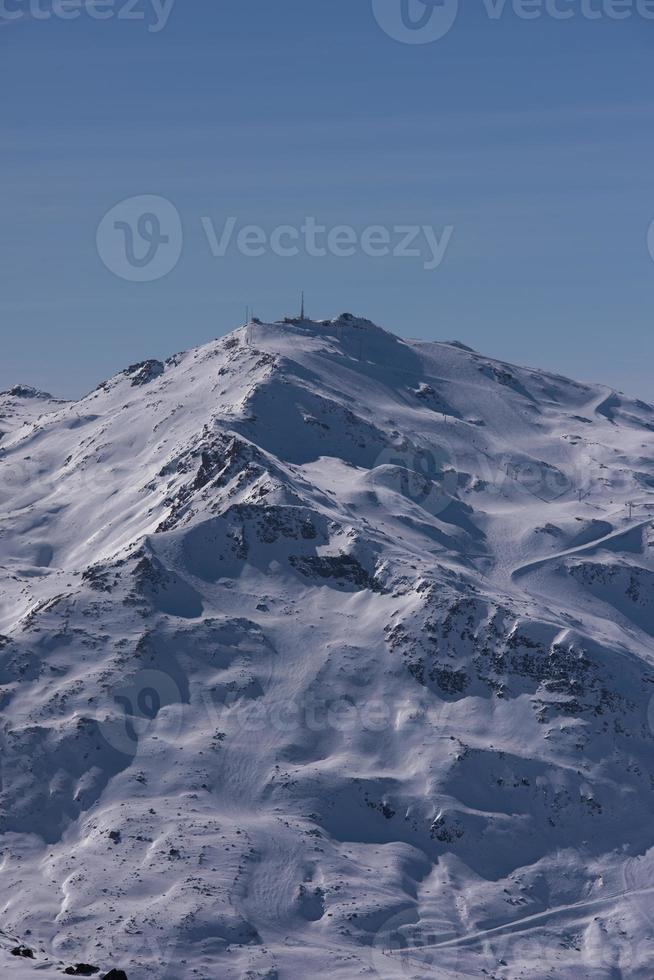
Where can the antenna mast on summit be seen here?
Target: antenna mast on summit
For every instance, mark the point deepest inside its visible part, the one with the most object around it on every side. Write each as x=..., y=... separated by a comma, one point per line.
x=302, y=307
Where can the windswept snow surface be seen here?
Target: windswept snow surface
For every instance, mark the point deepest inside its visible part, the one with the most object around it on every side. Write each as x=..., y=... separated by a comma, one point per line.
x=325, y=653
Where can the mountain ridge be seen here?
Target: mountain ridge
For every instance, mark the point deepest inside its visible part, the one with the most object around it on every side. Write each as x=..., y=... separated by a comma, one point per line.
x=327, y=644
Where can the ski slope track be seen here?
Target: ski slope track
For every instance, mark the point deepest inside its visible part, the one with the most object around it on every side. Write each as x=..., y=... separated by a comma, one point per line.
x=325, y=653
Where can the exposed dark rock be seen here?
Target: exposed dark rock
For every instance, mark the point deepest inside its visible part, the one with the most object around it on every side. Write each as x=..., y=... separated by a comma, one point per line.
x=450, y=681
x=24, y=951
x=144, y=372
x=343, y=569
x=97, y=578
x=440, y=830
x=26, y=391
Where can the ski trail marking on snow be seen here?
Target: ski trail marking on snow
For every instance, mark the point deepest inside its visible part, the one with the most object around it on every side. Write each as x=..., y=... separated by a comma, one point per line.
x=518, y=924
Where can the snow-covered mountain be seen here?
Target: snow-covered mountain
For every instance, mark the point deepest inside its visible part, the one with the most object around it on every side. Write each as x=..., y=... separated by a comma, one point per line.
x=326, y=653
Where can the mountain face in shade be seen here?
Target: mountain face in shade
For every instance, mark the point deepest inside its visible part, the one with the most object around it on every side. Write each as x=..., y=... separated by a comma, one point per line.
x=327, y=653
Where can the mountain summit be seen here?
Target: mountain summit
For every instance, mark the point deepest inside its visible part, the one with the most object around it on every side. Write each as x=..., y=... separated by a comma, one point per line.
x=325, y=652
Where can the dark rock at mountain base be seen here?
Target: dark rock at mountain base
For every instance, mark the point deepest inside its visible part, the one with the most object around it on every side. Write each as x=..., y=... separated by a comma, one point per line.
x=23, y=951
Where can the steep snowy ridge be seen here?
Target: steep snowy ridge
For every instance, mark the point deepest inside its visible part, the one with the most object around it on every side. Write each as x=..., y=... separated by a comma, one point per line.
x=324, y=652
x=22, y=405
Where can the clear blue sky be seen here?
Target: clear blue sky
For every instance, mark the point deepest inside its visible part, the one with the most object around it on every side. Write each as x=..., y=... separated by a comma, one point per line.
x=533, y=139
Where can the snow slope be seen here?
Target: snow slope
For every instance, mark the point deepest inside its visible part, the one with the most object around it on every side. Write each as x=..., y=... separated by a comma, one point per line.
x=327, y=653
